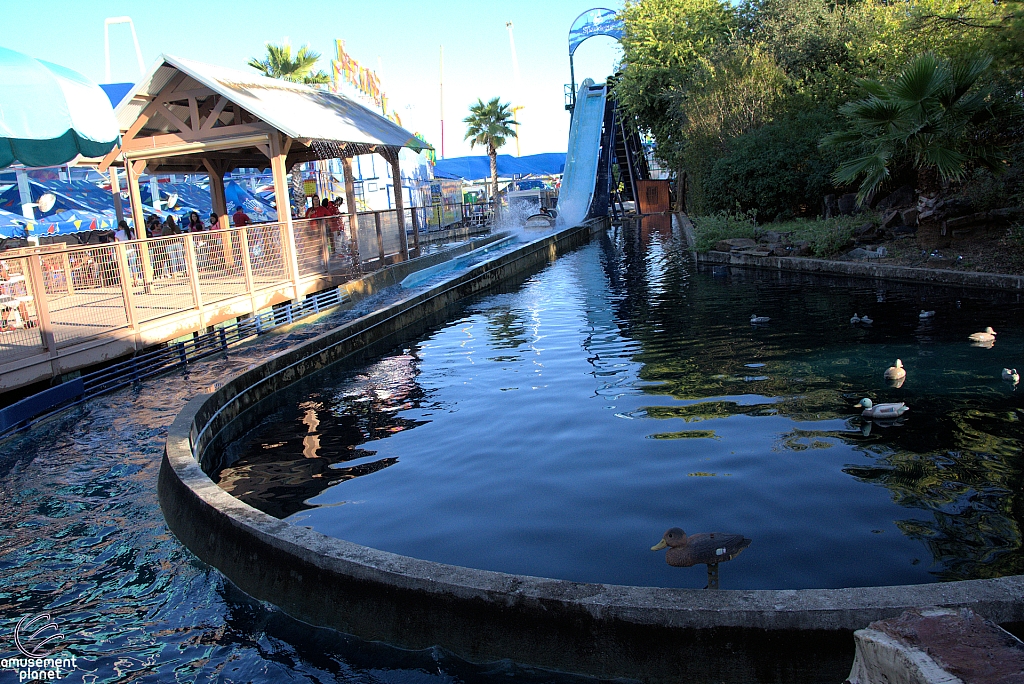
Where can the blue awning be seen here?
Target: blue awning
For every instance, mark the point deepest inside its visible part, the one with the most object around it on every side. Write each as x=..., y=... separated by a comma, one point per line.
x=479, y=167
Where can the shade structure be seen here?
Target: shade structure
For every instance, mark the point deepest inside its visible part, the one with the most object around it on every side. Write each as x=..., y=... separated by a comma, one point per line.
x=50, y=114
x=478, y=167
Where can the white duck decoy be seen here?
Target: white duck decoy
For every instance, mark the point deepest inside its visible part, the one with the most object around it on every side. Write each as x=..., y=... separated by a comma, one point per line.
x=881, y=411
x=925, y=314
x=989, y=335
x=754, y=318
x=866, y=321
x=856, y=319
x=896, y=372
x=1011, y=375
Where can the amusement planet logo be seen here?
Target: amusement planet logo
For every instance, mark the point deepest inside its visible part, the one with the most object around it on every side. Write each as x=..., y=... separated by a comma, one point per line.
x=35, y=640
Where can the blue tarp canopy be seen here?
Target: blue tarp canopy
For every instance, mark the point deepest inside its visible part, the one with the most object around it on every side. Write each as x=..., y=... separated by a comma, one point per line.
x=257, y=209
x=73, y=195
x=50, y=114
x=478, y=167
x=12, y=225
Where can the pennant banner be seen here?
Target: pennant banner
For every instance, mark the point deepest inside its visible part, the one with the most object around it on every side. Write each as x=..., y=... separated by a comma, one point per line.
x=364, y=80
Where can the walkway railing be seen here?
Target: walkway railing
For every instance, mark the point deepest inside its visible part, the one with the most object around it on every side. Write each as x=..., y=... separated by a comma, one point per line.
x=58, y=301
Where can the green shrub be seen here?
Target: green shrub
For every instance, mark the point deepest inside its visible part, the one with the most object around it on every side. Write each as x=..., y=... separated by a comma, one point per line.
x=708, y=230
x=827, y=237
x=777, y=169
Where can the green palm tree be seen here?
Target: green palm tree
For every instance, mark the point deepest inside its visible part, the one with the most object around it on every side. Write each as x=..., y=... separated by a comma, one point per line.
x=489, y=125
x=926, y=119
x=279, y=63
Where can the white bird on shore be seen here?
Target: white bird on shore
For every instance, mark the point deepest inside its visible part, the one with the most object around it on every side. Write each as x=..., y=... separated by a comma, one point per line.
x=989, y=335
x=754, y=318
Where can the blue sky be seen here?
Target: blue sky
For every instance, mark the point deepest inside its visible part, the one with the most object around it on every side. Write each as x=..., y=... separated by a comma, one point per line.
x=404, y=38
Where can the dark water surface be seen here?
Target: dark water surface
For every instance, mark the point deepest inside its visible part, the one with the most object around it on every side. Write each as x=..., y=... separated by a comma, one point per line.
x=82, y=539
x=560, y=429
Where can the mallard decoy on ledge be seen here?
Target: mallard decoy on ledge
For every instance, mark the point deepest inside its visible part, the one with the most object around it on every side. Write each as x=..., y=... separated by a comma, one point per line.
x=685, y=551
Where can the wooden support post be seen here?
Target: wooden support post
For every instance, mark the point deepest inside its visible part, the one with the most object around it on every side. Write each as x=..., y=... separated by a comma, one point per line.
x=353, y=218
x=396, y=183
x=115, y=190
x=380, y=238
x=127, y=281
x=192, y=269
x=279, y=169
x=220, y=207
x=415, y=229
x=135, y=197
x=36, y=282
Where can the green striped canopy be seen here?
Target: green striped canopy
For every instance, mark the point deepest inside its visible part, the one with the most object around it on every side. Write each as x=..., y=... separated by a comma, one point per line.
x=49, y=114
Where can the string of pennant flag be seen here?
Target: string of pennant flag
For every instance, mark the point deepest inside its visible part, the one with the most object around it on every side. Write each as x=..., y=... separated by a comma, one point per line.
x=366, y=81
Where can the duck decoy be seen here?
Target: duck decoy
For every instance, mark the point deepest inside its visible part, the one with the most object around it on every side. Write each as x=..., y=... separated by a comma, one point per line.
x=856, y=319
x=896, y=372
x=989, y=335
x=711, y=549
x=754, y=318
x=1011, y=375
x=866, y=321
x=881, y=411
x=925, y=314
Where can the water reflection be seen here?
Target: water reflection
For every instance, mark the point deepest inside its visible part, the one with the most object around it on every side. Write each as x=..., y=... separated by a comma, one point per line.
x=625, y=384
x=294, y=457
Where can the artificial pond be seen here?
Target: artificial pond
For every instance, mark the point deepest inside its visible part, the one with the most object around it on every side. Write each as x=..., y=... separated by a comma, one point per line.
x=558, y=428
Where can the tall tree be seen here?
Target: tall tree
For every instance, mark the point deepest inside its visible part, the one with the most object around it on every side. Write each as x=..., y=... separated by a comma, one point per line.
x=489, y=125
x=668, y=47
x=279, y=63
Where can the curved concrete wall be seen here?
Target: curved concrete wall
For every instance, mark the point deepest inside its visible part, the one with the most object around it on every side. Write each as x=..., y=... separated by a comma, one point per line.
x=654, y=634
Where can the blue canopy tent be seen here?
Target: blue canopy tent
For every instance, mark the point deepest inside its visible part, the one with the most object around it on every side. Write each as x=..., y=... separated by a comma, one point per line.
x=50, y=114
x=80, y=195
x=257, y=209
x=67, y=222
x=12, y=225
x=479, y=167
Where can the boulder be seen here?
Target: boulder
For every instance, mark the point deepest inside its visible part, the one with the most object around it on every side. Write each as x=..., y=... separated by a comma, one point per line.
x=1007, y=214
x=909, y=216
x=831, y=206
x=780, y=250
x=891, y=218
x=970, y=220
x=730, y=244
x=864, y=229
x=801, y=248
x=848, y=204
x=899, y=198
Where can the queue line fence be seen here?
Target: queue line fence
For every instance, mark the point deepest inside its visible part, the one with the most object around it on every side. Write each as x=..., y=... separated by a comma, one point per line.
x=57, y=297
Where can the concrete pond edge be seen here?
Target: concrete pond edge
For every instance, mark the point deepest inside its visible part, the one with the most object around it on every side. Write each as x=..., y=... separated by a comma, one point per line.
x=649, y=633
x=857, y=269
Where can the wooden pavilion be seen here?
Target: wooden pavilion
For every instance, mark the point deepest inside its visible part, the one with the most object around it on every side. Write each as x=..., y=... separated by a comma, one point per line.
x=189, y=117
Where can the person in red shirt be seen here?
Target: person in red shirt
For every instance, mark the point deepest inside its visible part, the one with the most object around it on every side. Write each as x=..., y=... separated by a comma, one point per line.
x=240, y=218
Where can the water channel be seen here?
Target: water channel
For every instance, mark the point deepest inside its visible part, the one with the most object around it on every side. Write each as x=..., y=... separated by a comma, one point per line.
x=559, y=429
x=695, y=421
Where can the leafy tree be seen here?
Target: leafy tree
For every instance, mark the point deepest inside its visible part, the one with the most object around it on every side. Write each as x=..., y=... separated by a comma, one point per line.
x=776, y=169
x=668, y=44
x=279, y=63
x=489, y=125
x=925, y=118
